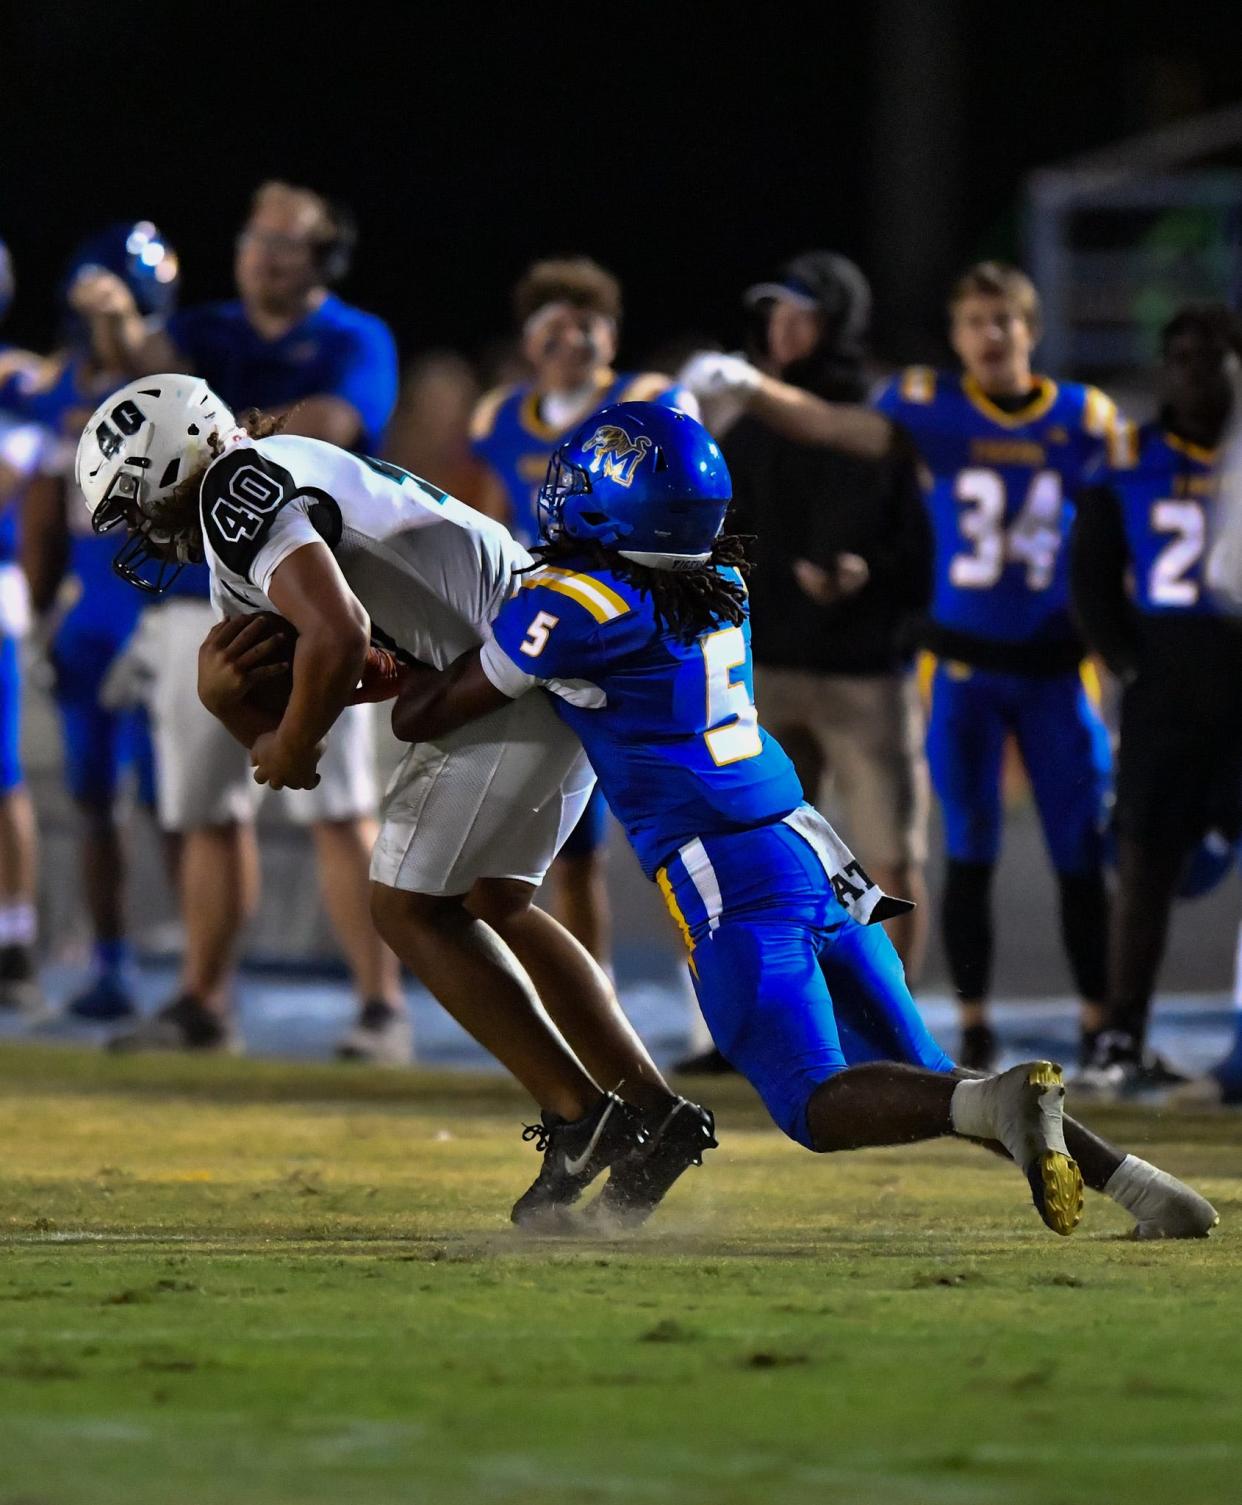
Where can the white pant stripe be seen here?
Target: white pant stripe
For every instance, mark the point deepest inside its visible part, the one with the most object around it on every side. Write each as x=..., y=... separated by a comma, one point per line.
x=703, y=875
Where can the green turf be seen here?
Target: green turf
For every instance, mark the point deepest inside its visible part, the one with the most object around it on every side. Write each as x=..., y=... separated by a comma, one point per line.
x=238, y=1282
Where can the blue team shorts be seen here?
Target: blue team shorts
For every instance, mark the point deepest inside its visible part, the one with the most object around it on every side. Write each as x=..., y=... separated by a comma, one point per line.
x=99, y=744
x=10, y=715
x=591, y=832
x=1064, y=746
x=793, y=989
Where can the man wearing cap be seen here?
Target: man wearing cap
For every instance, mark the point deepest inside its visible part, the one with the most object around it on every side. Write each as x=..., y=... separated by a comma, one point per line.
x=843, y=567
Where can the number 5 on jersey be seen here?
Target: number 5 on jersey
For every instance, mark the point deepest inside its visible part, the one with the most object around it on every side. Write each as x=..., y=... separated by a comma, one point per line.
x=536, y=639
x=732, y=721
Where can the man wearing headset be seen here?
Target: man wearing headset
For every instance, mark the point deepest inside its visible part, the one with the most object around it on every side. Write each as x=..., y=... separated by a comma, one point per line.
x=287, y=344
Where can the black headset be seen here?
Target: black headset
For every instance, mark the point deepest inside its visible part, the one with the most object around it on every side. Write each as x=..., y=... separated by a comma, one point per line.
x=336, y=252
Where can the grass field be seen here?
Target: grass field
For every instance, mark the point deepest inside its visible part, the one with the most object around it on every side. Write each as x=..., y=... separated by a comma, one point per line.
x=238, y=1282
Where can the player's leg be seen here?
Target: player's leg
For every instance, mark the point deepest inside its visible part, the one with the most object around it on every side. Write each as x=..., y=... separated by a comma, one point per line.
x=1064, y=747
x=448, y=822
x=574, y=990
x=579, y=882
x=92, y=738
x=206, y=798
x=19, y=987
x=340, y=813
x=965, y=743
x=874, y=736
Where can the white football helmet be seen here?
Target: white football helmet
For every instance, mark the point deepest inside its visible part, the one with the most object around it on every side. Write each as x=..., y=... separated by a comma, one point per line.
x=136, y=449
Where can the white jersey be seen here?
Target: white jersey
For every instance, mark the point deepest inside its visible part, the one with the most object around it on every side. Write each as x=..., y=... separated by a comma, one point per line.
x=430, y=572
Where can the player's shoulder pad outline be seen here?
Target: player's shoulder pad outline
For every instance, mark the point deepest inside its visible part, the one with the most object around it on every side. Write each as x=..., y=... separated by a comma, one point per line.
x=241, y=495
x=598, y=599
x=487, y=409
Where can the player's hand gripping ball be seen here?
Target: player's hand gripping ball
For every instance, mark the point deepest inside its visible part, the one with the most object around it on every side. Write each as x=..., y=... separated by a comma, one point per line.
x=248, y=660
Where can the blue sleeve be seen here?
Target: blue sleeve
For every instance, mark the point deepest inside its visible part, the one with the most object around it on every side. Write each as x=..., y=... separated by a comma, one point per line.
x=549, y=636
x=888, y=400
x=362, y=369
x=184, y=328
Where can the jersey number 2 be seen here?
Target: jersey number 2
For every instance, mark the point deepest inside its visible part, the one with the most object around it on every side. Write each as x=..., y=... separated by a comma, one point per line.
x=1167, y=585
x=733, y=722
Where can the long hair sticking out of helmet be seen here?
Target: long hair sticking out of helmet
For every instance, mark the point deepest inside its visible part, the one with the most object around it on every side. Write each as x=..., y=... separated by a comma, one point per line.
x=687, y=602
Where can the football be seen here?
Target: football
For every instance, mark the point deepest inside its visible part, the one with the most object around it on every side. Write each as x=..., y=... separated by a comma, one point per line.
x=271, y=695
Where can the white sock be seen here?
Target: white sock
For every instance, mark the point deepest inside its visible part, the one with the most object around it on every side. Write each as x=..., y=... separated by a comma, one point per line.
x=970, y=1109
x=1138, y=1186
x=17, y=924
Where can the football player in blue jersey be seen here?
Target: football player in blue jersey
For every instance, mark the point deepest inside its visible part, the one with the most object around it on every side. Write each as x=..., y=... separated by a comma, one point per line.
x=1139, y=590
x=22, y=446
x=1006, y=451
x=288, y=344
x=568, y=313
x=95, y=613
x=635, y=619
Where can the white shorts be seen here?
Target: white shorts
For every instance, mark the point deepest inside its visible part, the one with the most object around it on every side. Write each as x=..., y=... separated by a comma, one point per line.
x=494, y=800
x=203, y=776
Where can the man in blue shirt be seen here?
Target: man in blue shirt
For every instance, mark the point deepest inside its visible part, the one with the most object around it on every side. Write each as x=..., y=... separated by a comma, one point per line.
x=289, y=345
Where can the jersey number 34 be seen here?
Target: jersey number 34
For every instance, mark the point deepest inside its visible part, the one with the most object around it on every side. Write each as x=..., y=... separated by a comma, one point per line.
x=1032, y=538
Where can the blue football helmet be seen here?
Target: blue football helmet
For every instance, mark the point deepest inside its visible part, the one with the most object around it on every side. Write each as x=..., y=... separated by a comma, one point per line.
x=6, y=281
x=645, y=480
x=136, y=252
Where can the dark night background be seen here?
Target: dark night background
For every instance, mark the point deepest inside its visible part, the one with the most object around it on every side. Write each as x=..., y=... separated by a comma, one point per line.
x=688, y=147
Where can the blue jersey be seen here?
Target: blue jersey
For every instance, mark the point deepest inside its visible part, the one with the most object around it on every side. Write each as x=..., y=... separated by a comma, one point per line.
x=62, y=401
x=336, y=351
x=670, y=727
x=1165, y=489
x=509, y=435
x=1001, y=499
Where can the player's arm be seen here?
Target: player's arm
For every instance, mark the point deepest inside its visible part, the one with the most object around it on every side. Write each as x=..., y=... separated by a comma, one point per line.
x=434, y=702
x=334, y=633
x=1099, y=558
x=121, y=338
x=44, y=539
x=789, y=411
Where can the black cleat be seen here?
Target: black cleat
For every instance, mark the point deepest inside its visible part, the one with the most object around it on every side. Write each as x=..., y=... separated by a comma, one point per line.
x=184, y=1024
x=676, y=1139
x=705, y=1063
x=574, y=1153
x=978, y=1048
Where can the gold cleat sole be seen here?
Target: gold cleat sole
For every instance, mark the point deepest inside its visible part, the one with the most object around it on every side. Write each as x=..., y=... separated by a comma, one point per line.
x=1055, y=1180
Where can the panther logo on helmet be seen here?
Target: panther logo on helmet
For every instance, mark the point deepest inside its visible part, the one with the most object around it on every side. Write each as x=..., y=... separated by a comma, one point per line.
x=618, y=453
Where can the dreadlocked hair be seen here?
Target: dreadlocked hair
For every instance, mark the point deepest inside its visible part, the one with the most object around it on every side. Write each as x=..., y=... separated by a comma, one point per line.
x=178, y=512
x=688, y=602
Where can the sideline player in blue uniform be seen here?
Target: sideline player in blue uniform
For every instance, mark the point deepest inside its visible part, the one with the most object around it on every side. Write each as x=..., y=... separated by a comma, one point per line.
x=1138, y=575
x=636, y=620
x=1006, y=451
x=568, y=313
x=21, y=446
x=70, y=566
x=286, y=344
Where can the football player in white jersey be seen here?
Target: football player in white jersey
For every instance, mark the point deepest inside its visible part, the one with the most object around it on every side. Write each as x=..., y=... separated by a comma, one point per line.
x=355, y=552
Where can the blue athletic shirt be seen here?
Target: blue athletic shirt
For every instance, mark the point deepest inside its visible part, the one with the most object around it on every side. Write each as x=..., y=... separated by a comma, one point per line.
x=510, y=436
x=1001, y=505
x=336, y=351
x=670, y=727
x=1165, y=489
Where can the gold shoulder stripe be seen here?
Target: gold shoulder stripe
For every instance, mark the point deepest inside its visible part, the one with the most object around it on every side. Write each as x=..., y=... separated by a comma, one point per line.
x=603, y=603
x=483, y=419
x=646, y=387
x=918, y=384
